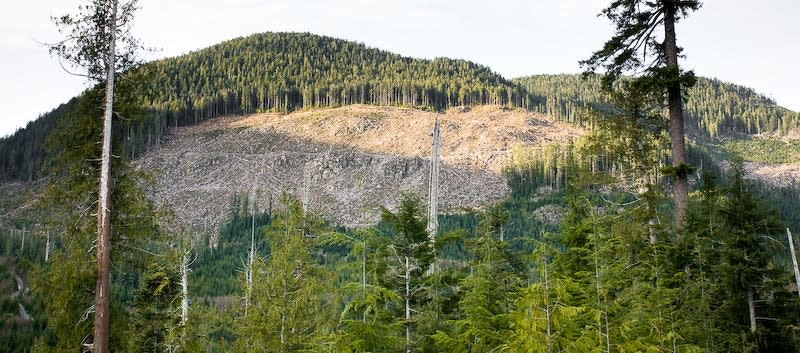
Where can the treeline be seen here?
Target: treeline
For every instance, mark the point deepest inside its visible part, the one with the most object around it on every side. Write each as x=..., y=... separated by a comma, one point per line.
x=283, y=72
x=288, y=71
x=609, y=277
x=22, y=153
x=715, y=109
x=603, y=274
x=279, y=72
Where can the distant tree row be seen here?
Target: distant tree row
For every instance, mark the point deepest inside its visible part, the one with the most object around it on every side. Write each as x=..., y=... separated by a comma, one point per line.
x=283, y=72
x=715, y=109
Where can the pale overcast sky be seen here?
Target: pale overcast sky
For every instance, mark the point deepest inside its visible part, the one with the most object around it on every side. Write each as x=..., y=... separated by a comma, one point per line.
x=749, y=43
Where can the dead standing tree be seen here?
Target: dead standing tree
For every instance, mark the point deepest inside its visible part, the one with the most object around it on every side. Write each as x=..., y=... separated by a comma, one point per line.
x=98, y=42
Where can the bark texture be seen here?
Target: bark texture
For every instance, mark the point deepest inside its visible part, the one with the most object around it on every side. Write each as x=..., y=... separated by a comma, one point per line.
x=680, y=185
x=102, y=300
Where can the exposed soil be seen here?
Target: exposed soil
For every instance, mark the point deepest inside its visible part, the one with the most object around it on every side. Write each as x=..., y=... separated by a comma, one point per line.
x=779, y=175
x=345, y=163
x=479, y=137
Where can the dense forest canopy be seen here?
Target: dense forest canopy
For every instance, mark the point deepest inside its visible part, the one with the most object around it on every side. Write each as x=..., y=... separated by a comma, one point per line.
x=289, y=71
x=577, y=258
x=715, y=109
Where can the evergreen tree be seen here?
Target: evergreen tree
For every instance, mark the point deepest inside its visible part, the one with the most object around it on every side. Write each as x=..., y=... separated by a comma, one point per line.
x=634, y=47
x=487, y=293
x=65, y=282
x=736, y=283
x=547, y=317
x=99, y=41
x=410, y=256
x=156, y=310
x=366, y=322
x=291, y=305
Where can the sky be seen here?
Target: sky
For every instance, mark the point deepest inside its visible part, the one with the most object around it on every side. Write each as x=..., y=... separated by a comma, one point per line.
x=755, y=44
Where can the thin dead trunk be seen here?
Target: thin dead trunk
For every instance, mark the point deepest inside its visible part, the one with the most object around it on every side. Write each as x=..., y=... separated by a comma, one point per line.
x=408, y=306
x=598, y=288
x=251, y=259
x=547, y=311
x=364, y=276
x=103, y=290
x=794, y=261
x=433, y=193
x=680, y=185
x=47, y=249
x=283, y=316
x=185, y=289
x=751, y=305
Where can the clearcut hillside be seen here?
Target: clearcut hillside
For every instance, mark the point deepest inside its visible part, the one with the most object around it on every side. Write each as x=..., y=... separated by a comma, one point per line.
x=345, y=162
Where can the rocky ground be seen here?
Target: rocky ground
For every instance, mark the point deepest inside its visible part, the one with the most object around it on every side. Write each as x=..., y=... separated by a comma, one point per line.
x=345, y=163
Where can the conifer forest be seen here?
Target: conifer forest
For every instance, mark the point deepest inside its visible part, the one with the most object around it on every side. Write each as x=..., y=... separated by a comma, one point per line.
x=663, y=219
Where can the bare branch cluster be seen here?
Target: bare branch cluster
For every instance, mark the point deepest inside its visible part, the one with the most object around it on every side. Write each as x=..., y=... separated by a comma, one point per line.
x=87, y=38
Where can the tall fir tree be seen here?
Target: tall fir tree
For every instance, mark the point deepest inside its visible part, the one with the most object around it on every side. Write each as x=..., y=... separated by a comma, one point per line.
x=635, y=48
x=411, y=255
x=99, y=41
x=291, y=303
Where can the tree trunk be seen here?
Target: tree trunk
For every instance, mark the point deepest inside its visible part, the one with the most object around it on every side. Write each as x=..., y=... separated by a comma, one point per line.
x=251, y=259
x=283, y=316
x=794, y=261
x=103, y=290
x=408, y=307
x=680, y=184
x=47, y=249
x=547, y=304
x=433, y=194
x=185, y=289
x=364, y=276
x=751, y=305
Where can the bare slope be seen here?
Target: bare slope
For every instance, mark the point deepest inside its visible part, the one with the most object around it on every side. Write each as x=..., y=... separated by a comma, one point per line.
x=345, y=162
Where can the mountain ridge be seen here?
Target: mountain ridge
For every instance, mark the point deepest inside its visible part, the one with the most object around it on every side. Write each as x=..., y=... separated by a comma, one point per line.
x=283, y=72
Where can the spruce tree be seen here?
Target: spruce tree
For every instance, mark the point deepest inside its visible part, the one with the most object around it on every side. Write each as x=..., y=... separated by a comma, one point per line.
x=410, y=257
x=291, y=305
x=99, y=41
x=487, y=293
x=635, y=48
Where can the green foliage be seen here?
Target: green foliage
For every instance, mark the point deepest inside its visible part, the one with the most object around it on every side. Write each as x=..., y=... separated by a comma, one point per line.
x=87, y=35
x=408, y=228
x=714, y=109
x=548, y=316
x=486, y=295
x=720, y=109
x=65, y=284
x=287, y=71
x=156, y=310
x=605, y=274
x=765, y=150
x=634, y=46
x=288, y=308
x=407, y=258
x=215, y=264
x=731, y=241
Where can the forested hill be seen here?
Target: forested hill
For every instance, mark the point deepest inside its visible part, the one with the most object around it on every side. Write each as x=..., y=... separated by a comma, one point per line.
x=716, y=109
x=275, y=72
x=289, y=71
x=286, y=71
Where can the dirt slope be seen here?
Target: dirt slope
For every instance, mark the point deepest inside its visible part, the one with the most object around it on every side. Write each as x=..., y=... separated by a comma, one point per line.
x=345, y=162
